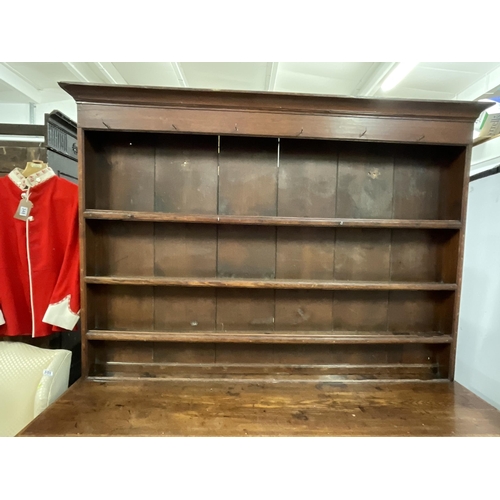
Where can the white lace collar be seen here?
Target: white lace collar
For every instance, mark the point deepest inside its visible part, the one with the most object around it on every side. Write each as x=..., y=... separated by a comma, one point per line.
x=24, y=183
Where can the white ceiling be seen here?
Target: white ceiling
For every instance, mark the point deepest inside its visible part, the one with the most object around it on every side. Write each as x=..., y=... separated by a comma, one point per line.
x=37, y=82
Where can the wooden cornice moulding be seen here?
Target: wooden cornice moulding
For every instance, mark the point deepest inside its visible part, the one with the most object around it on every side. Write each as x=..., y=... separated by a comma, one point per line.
x=274, y=102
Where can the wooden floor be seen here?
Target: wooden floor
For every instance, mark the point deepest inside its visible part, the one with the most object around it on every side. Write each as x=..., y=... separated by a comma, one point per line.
x=193, y=408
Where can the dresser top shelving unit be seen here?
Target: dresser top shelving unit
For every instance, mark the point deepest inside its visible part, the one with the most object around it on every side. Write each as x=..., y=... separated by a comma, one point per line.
x=270, y=233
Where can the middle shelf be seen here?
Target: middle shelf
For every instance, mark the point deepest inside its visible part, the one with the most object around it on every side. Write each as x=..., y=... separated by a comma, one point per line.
x=280, y=337
x=271, y=257
x=198, y=310
x=271, y=283
x=258, y=220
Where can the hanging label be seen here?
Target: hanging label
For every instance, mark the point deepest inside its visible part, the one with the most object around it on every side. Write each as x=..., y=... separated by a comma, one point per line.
x=23, y=210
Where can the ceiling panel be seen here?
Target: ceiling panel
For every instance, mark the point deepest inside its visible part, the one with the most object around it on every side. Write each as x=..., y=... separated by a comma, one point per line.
x=156, y=74
x=45, y=75
x=335, y=70
x=426, y=81
x=4, y=87
x=10, y=95
x=494, y=92
x=286, y=82
x=237, y=76
x=404, y=92
x=320, y=78
x=424, y=78
x=479, y=68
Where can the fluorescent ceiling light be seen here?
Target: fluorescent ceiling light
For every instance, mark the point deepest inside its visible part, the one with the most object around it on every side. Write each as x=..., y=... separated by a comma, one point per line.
x=398, y=74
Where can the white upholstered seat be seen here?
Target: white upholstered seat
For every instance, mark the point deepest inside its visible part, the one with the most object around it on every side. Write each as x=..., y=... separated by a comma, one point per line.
x=31, y=378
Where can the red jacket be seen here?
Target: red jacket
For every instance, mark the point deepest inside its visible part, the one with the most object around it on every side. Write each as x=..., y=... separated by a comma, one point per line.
x=39, y=258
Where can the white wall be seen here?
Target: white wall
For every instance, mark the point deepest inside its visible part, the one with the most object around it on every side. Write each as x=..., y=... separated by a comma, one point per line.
x=478, y=346
x=485, y=156
x=20, y=113
x=14, y=113
x=68, y=107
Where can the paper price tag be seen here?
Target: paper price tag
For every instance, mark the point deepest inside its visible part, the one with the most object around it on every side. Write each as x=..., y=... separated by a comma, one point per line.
x=23, y=210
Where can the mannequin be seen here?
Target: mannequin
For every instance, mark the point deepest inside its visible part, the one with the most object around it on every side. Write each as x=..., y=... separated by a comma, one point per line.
x=32, y=167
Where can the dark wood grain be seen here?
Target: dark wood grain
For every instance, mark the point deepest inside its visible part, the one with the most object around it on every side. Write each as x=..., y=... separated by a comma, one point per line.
x=185, y=250
x=232, y=357
x=185, y=174
x=305, y=253
x=121, y=250
x=123, y=308
x=303, y=310
x=260, y=372
x=448, y=256
x=249, y=408
x=365, y=181
x=89, y=236
x=124, y=352
x=270, y=283
x=184, y=309
x=246, y=254
x=454, y=173
x=412, y=312
x=417, y=177
x=245, y=310
x=248, y=176
x=368, y=357
x=363, y=129
x=95, y=310
x=123, y=169
x=86, y=248
x=416, y=256
x=458, y=254
x=307, y=178
x=360, y=311
x=306, y=361
x=183, y=354
x=363, y=254
x=270, y=221
x=88, y=169
x=272, y=337
x=444, y=313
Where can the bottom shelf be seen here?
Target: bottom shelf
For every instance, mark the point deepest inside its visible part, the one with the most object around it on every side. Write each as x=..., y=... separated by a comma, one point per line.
x=285, y=337
x=261, y=372
x=241, y=355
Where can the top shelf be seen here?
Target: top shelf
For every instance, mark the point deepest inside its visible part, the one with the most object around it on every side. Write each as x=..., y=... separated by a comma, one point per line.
x=256, y=220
